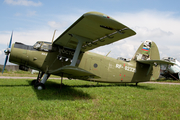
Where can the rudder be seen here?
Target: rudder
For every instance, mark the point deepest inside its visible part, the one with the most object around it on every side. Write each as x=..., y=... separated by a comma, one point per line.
x=148, y=50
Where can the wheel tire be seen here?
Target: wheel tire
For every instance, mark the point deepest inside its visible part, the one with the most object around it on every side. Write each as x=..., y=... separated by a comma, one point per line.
x=39, y=86
x=33, y=82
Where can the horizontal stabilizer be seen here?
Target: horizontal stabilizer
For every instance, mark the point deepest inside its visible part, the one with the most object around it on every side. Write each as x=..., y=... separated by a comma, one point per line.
x=73, y=72
x=155, y=62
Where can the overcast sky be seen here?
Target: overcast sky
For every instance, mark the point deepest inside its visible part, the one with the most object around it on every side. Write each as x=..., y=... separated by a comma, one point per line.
x=36, y=20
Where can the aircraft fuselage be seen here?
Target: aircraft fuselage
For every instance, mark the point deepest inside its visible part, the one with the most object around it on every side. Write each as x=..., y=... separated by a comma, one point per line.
x=108, y=69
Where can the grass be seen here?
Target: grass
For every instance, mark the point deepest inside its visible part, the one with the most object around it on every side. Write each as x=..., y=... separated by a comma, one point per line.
x=165, y=80
x=87, y=100
x=20, y=73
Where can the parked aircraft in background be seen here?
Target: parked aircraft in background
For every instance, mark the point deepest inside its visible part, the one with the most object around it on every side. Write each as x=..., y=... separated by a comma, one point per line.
x=171, y=71
x=69, y=56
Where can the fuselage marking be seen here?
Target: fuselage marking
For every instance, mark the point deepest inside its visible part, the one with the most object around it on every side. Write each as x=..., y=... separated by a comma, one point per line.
x=127, y=68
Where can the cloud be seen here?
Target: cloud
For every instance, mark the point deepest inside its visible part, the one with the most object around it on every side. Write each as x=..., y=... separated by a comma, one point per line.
x=27, y=13
x=29, y=37
x=99, y=52
x=2, y=57
x=0, y=52
x=160, y=27
x=144, y=32
x=23, y=2
x=56, y=25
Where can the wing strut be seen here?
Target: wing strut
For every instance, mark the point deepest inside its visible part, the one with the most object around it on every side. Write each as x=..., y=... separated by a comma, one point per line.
x=78, y=48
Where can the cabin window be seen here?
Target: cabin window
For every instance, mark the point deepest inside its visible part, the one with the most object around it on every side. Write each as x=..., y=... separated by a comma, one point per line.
x=37, y=45
x=171, y=59
x=45, y=47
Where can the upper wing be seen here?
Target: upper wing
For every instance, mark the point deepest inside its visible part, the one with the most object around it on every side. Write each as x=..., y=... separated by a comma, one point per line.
x=155, y=61
x=98, y=29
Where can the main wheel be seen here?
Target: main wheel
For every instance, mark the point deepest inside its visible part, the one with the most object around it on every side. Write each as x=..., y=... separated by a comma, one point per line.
x=39, y=86
x=34, y=82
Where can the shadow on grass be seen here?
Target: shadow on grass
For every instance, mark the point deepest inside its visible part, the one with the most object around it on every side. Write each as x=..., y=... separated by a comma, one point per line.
x=14, y=85
x=114, y=85
x=71, y=92
x=53, y=92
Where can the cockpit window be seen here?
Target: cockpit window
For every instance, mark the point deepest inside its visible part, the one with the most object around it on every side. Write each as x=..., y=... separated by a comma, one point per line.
x=37, y=45
x=43, y=46
x=171, y=59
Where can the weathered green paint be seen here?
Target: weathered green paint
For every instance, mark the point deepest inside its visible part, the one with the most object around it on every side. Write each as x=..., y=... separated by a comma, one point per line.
x=96, y=29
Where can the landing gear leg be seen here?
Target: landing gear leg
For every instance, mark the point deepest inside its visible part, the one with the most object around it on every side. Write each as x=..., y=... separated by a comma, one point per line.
x=41, y=85
x=40, y=74
x=136, y=83
x=61, y=81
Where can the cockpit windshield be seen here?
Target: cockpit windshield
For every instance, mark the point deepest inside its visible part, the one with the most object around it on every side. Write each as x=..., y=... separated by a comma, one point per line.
x=37, y=45
x=172, y=59
x=169, y=59
x=43, y=46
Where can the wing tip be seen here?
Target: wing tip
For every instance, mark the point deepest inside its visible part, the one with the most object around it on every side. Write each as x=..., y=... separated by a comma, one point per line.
x=95, y=13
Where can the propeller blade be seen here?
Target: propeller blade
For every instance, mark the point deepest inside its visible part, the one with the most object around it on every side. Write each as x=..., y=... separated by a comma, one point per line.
x=5, y=63
x=7, y=51
x=10, y=40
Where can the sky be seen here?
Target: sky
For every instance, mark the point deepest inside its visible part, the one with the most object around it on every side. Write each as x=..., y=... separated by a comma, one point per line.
x=36, y=20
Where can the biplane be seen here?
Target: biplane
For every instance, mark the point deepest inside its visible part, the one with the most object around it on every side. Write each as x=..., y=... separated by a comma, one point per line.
x=69, y=55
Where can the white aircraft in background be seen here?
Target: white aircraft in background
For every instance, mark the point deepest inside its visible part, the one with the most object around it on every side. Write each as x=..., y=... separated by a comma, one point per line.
x=171, y=71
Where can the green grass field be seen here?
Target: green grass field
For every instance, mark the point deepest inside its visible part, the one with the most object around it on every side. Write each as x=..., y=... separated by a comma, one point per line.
x=88, y=101
x=20, y=73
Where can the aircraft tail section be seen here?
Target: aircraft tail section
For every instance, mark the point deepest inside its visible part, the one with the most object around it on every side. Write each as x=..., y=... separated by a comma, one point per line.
x=147, y=51
x=148, y=54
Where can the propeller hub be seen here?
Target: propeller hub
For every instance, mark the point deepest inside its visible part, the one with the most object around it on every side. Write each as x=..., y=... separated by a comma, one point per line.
x=7, y=51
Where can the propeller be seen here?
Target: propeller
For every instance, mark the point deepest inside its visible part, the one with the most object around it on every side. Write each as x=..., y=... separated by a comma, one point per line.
x=7, y=51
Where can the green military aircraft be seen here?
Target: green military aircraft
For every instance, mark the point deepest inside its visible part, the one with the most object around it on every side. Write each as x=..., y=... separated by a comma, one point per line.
x=69, y=56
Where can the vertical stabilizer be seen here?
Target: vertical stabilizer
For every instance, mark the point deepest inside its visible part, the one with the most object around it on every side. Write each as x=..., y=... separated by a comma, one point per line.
x=148, y=51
